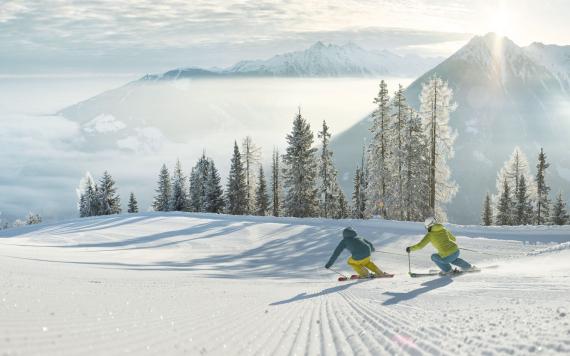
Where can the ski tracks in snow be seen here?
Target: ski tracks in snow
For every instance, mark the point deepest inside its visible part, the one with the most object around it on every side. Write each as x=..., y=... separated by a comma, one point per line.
x=140, y=312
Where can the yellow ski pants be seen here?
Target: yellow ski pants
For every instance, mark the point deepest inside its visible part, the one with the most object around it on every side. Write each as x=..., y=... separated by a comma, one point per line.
x=362, y=266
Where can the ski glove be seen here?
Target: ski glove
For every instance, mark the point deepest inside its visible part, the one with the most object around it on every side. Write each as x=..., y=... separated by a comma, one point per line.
x=327, y=266
x=408, y=249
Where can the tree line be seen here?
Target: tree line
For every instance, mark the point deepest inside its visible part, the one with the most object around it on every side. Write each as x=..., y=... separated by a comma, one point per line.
x=407, y=176
x=302, y=182
x=30, y=219
x=403, y=173
x=521, y=198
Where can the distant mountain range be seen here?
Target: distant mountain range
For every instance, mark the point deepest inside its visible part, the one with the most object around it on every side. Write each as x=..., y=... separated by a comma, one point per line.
x=507, y=95
x=320, y=60
x=181, y=111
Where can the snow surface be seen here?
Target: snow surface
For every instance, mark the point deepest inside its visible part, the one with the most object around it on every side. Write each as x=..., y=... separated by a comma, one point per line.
x=176, y=283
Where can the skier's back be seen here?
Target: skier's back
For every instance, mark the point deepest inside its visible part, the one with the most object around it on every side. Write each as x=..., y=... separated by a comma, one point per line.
x=445, y=244
x=360, y=249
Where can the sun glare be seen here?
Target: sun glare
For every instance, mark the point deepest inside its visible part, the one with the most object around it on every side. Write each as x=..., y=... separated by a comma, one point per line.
x=500, y=21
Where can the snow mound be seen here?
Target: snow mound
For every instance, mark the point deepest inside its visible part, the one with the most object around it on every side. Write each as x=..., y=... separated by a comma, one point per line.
x=551, y=249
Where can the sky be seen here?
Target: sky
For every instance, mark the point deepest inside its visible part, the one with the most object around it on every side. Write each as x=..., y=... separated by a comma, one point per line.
x=144, y=36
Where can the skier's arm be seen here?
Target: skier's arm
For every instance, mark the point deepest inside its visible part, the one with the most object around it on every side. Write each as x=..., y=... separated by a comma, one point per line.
x=336, y=253
x=372, y=249
x=420, y=244
x=451, y=237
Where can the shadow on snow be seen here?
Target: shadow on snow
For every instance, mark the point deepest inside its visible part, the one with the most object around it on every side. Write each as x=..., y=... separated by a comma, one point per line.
x=428, y=286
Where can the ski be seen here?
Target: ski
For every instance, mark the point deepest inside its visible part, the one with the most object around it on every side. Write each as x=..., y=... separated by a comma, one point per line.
x=414, y=275
x=355, y=276
x=457, y=271
x=436, y=273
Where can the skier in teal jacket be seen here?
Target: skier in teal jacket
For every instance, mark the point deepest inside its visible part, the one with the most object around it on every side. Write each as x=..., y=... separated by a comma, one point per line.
x=360, y=249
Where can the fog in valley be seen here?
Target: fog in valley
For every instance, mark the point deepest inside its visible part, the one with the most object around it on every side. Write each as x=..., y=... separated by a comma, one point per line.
x=132, y=129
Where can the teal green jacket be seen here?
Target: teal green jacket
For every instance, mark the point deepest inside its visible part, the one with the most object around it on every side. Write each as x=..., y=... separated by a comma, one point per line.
x=360, y=248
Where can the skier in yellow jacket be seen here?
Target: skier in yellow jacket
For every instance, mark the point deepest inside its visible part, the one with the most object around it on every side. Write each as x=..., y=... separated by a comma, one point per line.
x=446, y=246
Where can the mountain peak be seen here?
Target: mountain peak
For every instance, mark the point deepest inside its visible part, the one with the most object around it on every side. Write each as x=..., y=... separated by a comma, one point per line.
x=537, y=45
x=492, y=41
x=318, y=45
x=318, y=60
x=489, y=49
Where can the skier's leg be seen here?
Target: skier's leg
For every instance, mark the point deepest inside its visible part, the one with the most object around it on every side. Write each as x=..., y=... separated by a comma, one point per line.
x=372, y=266
x=357, y=266
x=461, y=263
x=441, y=263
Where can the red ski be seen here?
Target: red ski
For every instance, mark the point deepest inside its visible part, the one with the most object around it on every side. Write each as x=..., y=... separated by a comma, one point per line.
x=355, y=276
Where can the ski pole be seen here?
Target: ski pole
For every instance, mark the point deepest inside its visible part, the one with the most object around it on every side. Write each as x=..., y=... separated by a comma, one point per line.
x=481, y=252
x=335, y=271
x=409, y=264
x=389, y=253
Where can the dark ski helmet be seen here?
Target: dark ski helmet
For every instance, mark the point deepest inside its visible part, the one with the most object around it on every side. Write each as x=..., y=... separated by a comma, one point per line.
x=348, y=232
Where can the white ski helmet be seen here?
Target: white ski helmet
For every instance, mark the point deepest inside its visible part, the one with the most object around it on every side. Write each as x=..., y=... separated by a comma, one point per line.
x=429, y=222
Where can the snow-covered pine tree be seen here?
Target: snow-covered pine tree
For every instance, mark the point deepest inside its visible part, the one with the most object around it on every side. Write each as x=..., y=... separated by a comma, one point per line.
x=357, y=194
x=261, y=198
x=214, y=192
x=523, y=205
x=18, y=223
x=415, y=183
x=251, y=158
x=33, y=219
x=378, y=153
x=179, y=198
x=133, y=206
x=397, y=132
x=300, y=171
x=194, y=190
x=82, y=205
x=436, y=106
x=487, y=215
x=88, y=200
x=198, y=178
x=542, y=190
x=276, y=188
x=359, y=199
x=109, y=199
x=519, y=167
x=514, y=167
x=342, y=210
x=163, y=192
x=327, y=176
x=94, y=201
x=363, y=185
x=559, y=212
x=236, y=192
x=505, y=206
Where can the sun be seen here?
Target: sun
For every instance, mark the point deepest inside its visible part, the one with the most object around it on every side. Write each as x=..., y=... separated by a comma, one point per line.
x=501, y=21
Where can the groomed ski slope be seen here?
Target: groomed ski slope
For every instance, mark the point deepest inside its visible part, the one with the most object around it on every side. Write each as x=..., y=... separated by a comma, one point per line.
x=200, y=284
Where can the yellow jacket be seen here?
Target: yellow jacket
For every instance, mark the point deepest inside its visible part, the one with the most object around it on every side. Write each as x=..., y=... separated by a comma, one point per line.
x=440, y=238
